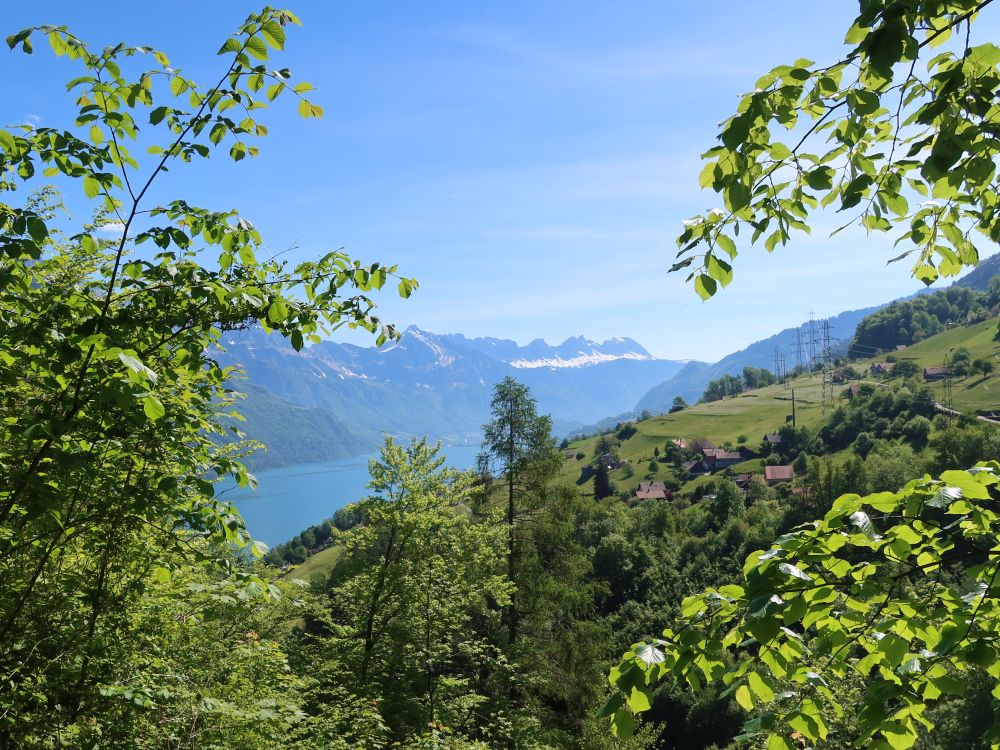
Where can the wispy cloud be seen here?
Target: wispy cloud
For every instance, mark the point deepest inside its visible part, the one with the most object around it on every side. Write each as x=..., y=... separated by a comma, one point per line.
x=112, y=227
x=636, y=63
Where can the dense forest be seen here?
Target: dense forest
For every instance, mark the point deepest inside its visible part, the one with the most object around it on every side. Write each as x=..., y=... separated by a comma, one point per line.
x=590, y=576
x=850, y=600
x=909, y=321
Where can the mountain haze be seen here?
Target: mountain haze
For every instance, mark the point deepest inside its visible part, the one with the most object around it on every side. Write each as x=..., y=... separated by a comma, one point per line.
x=690, y=382
x=438, y=385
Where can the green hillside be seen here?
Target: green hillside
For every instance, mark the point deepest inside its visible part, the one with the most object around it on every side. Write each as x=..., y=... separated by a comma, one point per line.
x=750, y=415
x=297, y=434
x=970, y=394
x=753, y=414
x=319, y=564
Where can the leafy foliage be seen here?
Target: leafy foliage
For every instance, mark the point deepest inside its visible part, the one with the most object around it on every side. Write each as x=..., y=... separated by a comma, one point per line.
x=894, y=122
x=718, y=389
x=894, y=589
x=113, y=406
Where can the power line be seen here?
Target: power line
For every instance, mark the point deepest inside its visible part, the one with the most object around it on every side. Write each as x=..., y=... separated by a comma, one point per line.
x=812, y=341
x=827, y=369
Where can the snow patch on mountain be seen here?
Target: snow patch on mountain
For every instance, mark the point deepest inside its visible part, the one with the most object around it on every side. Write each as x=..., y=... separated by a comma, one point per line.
x=581, y=360
x=444, y=359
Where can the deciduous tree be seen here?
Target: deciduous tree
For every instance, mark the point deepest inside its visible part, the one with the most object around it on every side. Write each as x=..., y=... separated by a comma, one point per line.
x=898, y=135
x=111, y=436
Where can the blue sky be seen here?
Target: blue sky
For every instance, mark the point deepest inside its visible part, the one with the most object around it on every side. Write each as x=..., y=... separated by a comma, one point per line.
x=529, y=163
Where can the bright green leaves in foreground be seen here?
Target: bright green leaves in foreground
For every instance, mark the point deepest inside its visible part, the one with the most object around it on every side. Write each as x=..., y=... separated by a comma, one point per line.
x=899, y=136
x=879, y=609
x=113, y=415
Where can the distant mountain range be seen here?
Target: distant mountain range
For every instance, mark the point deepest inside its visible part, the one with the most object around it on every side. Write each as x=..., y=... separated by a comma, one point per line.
x=333, y=400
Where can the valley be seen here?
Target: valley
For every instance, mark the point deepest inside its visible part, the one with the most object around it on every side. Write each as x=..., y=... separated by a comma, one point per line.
x=369, y=462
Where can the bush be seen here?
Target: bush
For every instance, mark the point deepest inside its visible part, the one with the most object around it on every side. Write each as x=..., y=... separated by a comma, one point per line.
x=863, y=444
x=625, y=431
x=916, y=431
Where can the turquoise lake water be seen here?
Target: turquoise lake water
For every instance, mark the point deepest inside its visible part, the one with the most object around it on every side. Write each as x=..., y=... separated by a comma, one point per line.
x=292, y=498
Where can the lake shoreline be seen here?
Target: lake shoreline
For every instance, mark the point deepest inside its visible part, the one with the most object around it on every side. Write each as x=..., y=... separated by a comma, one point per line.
x=292, y=498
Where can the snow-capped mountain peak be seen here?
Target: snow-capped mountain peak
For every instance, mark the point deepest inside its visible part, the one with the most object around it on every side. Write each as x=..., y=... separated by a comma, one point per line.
x=583, y=359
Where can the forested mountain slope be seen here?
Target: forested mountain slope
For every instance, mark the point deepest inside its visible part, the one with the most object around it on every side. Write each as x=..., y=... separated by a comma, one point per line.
x=292, y=434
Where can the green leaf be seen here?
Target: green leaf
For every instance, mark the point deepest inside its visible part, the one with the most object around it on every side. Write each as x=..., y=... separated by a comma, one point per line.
x=743, y=698
x=728, y=246
x=153, y=408
x=91, y=187
x=37, y=229
x=896, y=203
x=984, y=54
x=761, y=690
x=737, y=196
x=779, y=151
x=274, y=34
x=855, y=34
x=777, y=742
x=736, y=132
x=135, y=365
x=719, y=270
x=863, y=101
x=7, y=142
x=156, y=116
x=639, y=699
x=705, y=286
x=885, y=45
x=622, y=724
x=231, y=45
x=967, y=483
x=277, y=311
x=894, y=648
x=256, y=47
x=820, y=178
x=926, y=273
x=707, y=177
x=613, y=703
